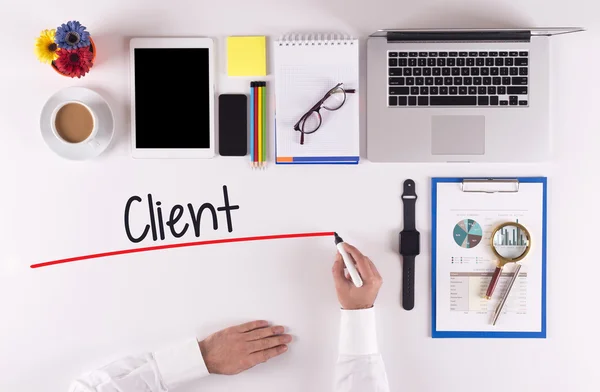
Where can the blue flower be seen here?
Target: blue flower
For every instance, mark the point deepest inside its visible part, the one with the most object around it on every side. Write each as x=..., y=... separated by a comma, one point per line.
x=72, y=35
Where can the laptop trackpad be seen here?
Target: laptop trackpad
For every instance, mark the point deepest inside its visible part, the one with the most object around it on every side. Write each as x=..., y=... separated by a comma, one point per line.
x=458, y=135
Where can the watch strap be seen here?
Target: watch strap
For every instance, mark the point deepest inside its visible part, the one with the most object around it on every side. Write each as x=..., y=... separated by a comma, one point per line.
x=408, y=282
x=409, y=197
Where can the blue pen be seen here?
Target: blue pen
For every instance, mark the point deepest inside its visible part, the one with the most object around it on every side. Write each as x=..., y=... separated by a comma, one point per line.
x=252, y=123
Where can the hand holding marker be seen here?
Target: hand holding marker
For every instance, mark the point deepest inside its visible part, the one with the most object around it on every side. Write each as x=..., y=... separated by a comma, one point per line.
x=348, y=261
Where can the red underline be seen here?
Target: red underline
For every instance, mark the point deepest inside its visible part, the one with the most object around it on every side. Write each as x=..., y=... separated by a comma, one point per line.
x=183, y=245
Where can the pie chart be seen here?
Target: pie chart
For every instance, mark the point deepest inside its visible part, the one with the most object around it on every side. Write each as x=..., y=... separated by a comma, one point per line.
x=467, y=233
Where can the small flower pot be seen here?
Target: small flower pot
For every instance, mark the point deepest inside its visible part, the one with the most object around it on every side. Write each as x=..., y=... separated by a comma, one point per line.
x=92, y=48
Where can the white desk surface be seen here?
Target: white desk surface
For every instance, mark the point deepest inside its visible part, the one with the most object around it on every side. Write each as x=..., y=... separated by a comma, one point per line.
x=60, y=321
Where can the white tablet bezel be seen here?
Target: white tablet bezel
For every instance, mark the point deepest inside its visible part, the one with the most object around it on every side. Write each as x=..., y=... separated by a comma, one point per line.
x=161, y=43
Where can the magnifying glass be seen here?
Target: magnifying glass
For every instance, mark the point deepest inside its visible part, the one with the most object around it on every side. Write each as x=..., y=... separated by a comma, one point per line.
x=510, y=243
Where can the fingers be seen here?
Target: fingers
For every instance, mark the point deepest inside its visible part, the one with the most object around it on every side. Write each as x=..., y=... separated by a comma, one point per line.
x=362, y=264
x=252, y=325
x=265, y=355
x=267, y=343
x=262, y=333
x=377, y=279
x=374, y=269
x=338, y=271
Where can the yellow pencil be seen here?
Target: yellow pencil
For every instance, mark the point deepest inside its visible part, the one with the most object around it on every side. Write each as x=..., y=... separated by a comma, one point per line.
x=260, y=120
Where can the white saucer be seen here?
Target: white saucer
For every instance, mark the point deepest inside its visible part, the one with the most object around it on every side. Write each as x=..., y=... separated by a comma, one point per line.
x=106, y=123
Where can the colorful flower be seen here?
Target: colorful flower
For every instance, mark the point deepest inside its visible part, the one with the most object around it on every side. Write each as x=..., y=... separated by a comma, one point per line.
x=76, y=62
x=46, y=49
x=72, y=35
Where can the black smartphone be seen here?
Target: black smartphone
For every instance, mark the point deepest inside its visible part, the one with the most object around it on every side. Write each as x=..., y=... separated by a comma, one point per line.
x=233, y=125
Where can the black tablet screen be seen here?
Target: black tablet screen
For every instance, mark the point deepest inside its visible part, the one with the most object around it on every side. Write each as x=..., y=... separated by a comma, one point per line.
x=172, y=105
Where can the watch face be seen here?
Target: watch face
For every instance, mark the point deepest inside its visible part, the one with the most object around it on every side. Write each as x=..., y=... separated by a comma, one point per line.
x=410, y=243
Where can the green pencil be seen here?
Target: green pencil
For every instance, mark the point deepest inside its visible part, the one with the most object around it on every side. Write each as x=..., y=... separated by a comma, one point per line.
x=264, y=123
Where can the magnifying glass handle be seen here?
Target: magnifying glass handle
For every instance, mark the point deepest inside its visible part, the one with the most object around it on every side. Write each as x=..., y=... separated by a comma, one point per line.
x=493, y=282
x=503, y=301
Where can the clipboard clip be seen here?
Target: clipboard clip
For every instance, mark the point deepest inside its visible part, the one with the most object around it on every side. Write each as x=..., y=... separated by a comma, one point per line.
x=490, y=185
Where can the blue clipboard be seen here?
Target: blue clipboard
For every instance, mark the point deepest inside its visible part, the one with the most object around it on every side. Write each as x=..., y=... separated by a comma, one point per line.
x=485, y=334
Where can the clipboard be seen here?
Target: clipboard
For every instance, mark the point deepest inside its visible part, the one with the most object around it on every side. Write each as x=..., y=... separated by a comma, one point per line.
x=483, y=186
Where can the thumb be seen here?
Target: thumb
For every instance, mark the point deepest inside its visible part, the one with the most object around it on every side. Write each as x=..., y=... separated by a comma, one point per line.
x=338, y=271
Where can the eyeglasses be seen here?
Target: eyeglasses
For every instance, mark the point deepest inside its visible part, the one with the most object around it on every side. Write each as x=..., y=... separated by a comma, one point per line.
x=332, y=101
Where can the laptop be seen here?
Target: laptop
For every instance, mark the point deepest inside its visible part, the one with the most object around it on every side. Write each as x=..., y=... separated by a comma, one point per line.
x=459, y=95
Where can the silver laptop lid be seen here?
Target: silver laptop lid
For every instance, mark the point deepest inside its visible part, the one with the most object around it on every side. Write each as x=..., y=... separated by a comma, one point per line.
x=474, y=34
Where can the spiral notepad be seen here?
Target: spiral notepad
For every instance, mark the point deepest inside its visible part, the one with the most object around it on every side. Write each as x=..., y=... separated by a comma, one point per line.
x=307, y=66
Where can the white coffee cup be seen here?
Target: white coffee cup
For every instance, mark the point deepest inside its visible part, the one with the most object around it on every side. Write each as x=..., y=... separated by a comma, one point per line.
x=77, y=124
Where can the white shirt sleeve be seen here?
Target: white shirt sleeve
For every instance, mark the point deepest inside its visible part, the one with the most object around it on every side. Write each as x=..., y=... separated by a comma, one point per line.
x=359, y=367
x=160, y=371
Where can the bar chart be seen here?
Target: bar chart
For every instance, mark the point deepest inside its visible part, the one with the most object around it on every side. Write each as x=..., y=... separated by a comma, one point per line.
x=510, y=236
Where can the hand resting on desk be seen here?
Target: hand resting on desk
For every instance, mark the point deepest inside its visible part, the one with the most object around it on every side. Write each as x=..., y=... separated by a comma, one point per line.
x=239, y=348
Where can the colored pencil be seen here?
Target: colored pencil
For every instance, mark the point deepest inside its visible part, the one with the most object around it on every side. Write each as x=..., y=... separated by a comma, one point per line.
x=252, y=123
x=258, y=124
x=259, y=141
x=264, y=123
x=255, y=147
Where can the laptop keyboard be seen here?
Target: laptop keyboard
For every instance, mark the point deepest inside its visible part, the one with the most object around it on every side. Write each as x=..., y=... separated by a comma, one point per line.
x=443, y=78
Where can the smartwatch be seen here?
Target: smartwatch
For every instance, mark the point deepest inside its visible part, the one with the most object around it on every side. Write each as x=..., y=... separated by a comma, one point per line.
x=410, y=245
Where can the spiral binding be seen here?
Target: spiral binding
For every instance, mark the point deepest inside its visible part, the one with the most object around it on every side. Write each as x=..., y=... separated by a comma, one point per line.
x=315, y=39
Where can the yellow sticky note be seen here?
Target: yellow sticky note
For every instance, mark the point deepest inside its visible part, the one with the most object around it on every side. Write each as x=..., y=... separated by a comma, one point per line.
x=246, y=56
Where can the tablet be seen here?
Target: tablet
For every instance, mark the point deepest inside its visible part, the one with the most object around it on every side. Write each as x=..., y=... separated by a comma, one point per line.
x=172, y=98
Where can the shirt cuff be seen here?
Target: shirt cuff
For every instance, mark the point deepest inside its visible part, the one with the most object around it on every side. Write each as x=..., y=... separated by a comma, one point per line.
x=180, y=364
x=358, y=335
